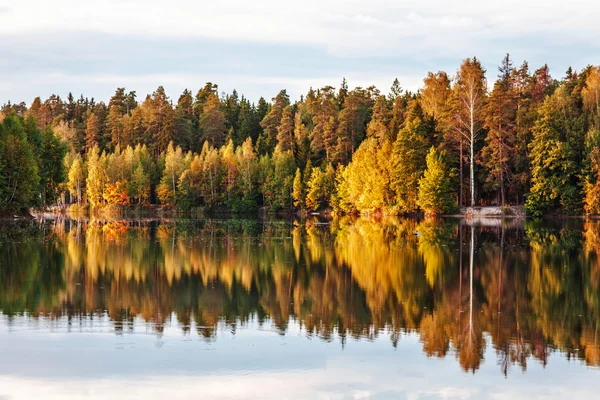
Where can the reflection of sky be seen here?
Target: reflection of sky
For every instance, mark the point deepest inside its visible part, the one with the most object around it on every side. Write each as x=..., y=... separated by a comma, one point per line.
x=50, y=360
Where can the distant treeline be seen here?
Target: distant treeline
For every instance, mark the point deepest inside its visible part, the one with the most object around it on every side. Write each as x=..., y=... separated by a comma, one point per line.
x=531, y=140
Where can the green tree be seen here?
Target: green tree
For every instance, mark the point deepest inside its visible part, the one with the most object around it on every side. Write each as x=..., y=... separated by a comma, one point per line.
x=320, y=188
x=556, y=156
x=436, y=195
x=408, y=157
x=271, y=122
x=212, y=121
x=19, y=182
x=51, y=167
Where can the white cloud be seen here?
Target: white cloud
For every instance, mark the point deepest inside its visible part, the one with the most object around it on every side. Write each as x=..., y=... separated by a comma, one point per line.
x=102, y=85
x=344, y=27
x=262, y=46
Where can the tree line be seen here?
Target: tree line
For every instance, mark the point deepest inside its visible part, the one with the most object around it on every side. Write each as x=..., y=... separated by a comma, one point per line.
x=527, y=139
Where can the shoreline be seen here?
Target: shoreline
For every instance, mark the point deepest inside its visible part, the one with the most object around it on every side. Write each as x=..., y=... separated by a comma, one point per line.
x=468, y=213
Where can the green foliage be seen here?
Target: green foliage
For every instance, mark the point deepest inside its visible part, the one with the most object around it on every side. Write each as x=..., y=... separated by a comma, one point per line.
x=20, y=182
x=320, y=188
x=436, y=194
x=556, y=155
x=225, y=153
x=408, y=158
x=51, y=167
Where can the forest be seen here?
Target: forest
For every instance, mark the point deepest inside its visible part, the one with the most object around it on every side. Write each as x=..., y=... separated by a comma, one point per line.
x=523, y=138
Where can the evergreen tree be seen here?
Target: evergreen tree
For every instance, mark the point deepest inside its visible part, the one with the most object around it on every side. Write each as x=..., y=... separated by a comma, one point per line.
x=270, y=123
x=285, y=131
x=500, y=121
x=92, y=132
x=212, y=121
x=185, y=124
x=378, y=126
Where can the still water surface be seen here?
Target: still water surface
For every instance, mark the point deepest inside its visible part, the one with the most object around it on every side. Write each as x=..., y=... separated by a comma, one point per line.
x=268, y=309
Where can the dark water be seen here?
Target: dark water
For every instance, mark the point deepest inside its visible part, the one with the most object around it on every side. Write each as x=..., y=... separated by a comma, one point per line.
x=351, y=309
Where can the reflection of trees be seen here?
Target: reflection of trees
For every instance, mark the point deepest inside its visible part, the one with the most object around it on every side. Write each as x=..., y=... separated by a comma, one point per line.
x=526, y=291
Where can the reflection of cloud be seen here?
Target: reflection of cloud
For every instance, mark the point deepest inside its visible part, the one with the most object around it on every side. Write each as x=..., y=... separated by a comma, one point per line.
x=254, y=365
x=339, y=380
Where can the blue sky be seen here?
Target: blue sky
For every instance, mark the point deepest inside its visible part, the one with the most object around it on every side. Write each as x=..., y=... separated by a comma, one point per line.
x=263, y=46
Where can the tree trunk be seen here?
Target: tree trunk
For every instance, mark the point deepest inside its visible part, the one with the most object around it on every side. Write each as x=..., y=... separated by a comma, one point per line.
x=460, y=168
x=472, y=157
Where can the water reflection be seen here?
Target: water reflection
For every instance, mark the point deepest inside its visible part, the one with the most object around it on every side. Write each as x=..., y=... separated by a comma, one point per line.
x=526, y=289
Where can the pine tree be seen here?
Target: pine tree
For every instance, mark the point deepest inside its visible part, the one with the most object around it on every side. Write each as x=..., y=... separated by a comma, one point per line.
x=378, y=126
x=92, y=132
x=500, y=121
x=114, y=127
x=270, y=123
x=285, y=130
x=184, y=124
x=212, y=121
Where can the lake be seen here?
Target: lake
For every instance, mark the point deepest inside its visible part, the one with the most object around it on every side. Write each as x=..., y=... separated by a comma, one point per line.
x=299, y=309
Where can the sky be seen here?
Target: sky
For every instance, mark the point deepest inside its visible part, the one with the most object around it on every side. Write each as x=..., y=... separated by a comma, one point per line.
x=259, y=47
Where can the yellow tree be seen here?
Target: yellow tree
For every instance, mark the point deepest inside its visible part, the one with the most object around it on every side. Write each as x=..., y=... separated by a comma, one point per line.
x=591, y=94
x=174, y=166
x=435, y=93
x=96, y=179
x=76, y=178
x=467, y=104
